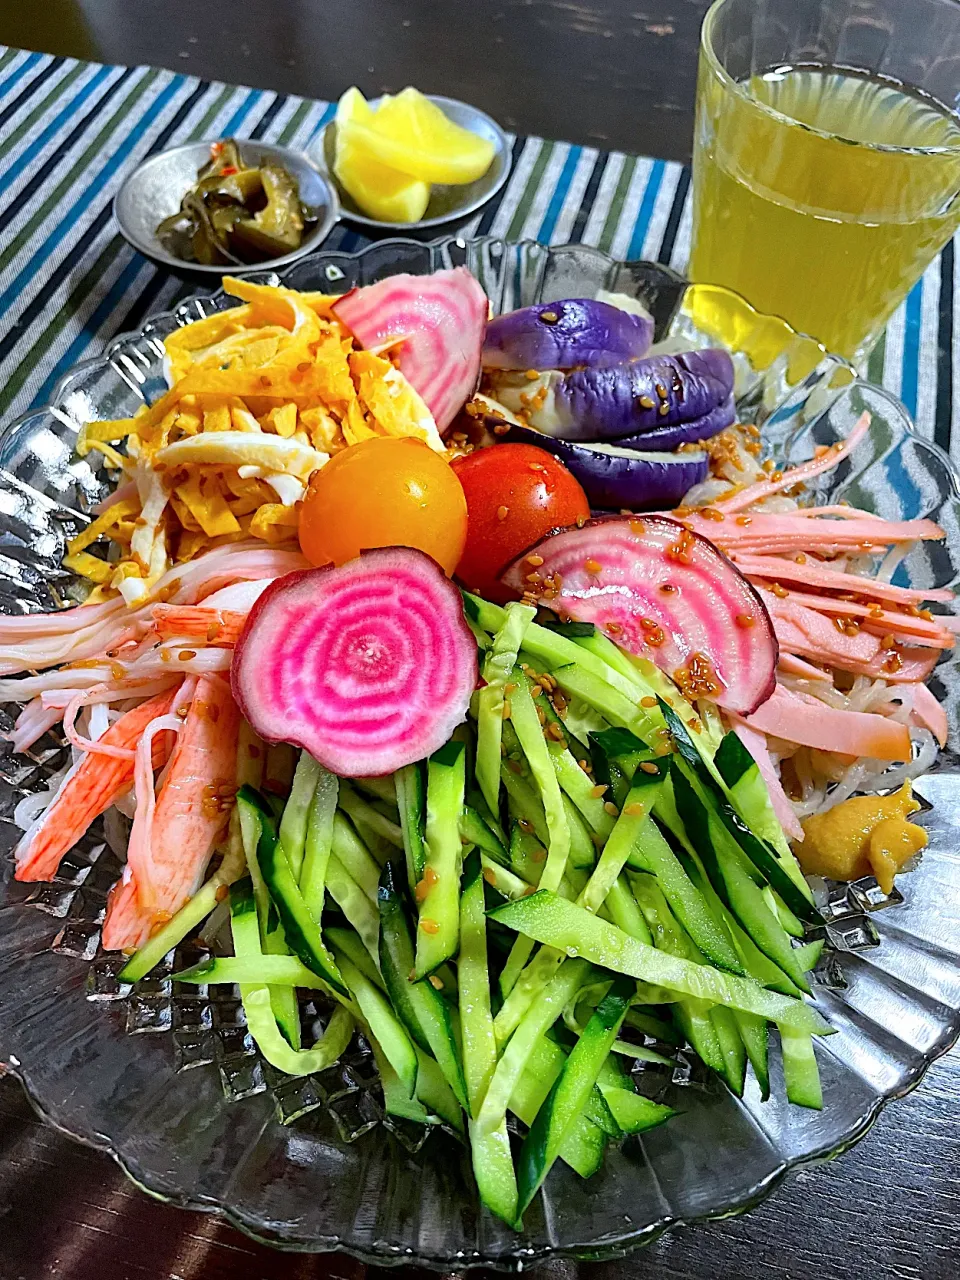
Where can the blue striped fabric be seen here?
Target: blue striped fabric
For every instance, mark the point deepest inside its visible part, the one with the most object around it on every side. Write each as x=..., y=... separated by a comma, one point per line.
x=70, y=132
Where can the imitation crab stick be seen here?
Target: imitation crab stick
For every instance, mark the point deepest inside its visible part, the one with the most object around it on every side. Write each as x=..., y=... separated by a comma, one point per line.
x=221, y=627
x=94, y=785
x=191, y=813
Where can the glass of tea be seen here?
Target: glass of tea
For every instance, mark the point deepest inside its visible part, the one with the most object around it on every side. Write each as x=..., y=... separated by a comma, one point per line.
x=826, y=165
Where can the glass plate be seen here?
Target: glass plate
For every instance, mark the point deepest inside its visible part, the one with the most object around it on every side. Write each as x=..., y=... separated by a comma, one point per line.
x=170, y=1083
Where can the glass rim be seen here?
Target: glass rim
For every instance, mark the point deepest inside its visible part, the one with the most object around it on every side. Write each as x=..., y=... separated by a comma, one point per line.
x=708, y=52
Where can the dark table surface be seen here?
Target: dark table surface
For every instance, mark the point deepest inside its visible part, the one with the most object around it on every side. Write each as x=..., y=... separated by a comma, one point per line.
x=614, y=74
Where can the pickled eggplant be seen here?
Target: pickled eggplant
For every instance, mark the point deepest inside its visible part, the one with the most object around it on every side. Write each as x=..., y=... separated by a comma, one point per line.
x=235, y=213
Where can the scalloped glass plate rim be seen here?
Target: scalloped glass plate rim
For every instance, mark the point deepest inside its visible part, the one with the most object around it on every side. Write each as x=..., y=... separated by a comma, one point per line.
x=383, y=1253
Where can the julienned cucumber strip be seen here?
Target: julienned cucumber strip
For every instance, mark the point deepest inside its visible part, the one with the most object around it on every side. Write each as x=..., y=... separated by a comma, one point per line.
x=490, y=1151
x=473, y=830
x=293, y=823
x=433, y=1090
x=792, y=888
x=510, y=629
x=301, y=931
x=257, y=1006
x=549, y=919
x=653, y=854
x=748, y=790
x=354, y=856
x=390, y=1033
x=367, y=818
x=438, y=893
x=801, y=1076
x=420, y=1007
x=282, y=971
x=640, y=800
x=318, y=841
x=411, y=805
x=354, y=903
x=353, y=947
x=731, y=1046
x=568, y=1096
x=527, y=725
x=732, y=877
x=539, y=1017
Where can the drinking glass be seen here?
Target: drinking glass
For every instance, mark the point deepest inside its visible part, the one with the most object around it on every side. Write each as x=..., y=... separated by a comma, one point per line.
x=826, y=165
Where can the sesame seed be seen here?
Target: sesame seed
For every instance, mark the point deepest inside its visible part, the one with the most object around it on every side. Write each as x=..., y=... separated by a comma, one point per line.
x=502, y=513
x=611, y=808
x=429, y=926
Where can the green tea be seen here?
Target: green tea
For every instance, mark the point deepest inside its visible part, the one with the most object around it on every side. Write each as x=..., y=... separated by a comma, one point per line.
x=821, y=195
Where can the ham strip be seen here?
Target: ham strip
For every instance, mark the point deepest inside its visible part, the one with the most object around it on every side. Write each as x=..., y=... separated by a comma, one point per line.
x=806, y=720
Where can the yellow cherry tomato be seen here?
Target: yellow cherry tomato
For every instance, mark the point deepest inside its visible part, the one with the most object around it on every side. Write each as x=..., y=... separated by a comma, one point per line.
x=384, y=493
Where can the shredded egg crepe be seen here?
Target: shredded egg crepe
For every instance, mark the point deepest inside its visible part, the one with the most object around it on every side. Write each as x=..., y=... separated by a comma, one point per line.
x=261, y=395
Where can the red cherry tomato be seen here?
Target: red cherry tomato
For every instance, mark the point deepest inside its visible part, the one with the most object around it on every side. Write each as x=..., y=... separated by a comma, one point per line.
x=515, y=493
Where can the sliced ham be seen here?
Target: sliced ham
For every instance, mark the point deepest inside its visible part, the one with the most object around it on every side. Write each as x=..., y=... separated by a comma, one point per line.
x=806, y=720
x=928, y=712
x=814, y=573
x=920, y=631
x=825, y=461
x=756, y=744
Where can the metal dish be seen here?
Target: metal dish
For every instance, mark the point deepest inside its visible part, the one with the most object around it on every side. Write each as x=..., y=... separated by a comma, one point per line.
x=154, y=191
x=447, y=204
x=171, y=1085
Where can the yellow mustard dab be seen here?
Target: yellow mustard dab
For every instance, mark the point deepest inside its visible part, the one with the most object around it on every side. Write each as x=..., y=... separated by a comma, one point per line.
x=862, y=835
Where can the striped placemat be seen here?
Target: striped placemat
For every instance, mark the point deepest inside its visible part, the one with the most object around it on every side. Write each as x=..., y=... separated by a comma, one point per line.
x=70, y=131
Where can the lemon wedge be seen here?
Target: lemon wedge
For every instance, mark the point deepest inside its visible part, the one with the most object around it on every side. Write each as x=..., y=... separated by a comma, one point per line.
x=412, y=134
x=380, y=192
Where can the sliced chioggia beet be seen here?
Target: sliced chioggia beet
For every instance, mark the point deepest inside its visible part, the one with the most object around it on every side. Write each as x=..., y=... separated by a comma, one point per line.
x=664, y=593
x=626, y=399
x=368, y=667
x=565, y=335
x=437, y=322
x=615, y=478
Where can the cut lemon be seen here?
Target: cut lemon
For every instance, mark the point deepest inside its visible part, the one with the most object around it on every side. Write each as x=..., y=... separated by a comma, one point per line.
x=380, y=192
x=412, y=134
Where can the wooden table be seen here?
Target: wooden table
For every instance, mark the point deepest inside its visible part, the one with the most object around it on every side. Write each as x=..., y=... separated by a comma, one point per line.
x=612, y=73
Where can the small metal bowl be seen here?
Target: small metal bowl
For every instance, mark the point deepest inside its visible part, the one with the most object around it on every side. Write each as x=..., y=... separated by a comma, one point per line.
x=447, y=203
x=154, y=191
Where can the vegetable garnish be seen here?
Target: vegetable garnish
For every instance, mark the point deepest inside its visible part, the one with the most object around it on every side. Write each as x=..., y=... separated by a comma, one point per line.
x=236, y=213
x=515, y=494
x=663, y=593
x=436, y=322
x=631, y=398
x=564, y=335
x=369, y=667
x=384, y=493
x=614, y=477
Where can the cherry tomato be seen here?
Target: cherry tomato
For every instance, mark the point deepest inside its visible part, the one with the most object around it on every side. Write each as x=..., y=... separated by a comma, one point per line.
x=384, y=493
x=515, y=494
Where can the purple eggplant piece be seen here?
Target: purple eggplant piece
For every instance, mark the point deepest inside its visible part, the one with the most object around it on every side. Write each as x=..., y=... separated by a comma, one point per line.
x=624, y=400
x=565, y=335
x=615, y=478
x=666, y=439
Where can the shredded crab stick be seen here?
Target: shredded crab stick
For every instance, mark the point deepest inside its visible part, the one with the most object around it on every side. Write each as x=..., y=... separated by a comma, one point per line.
x=436, y=321
x=661, y=592
x=369, y=666
x=167, y=861
x=89, y=790
x=806, y=720
x=824, y=461
x=32, y=642
x=221, y=627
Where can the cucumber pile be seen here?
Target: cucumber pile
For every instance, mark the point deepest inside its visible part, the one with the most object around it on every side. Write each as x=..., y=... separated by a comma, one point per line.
x=588, y=864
